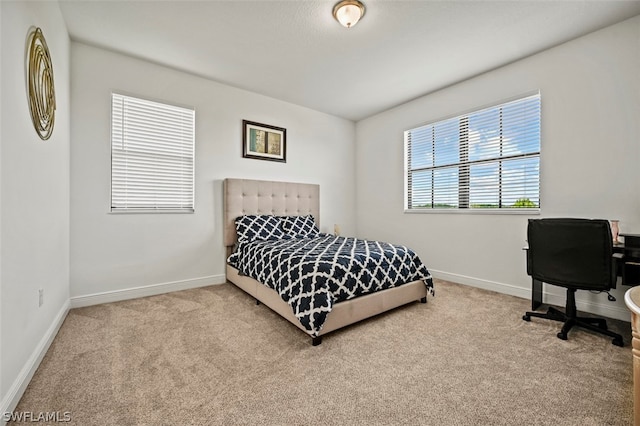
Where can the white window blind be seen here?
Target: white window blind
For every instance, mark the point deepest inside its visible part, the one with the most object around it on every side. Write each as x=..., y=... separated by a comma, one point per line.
x=152, y=156
x=486, y=159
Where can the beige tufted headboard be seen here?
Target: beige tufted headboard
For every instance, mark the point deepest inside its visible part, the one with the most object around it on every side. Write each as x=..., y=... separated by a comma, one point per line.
x=245, y=196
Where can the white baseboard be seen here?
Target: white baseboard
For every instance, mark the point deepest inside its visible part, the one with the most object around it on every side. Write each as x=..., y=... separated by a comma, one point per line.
x=484, y=284
x=16, y=391
x=143, y=291
x=608, y=310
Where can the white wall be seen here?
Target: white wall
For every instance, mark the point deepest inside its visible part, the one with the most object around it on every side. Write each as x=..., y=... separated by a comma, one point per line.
x=114, y=252
x=590, y=157
x=34, y=199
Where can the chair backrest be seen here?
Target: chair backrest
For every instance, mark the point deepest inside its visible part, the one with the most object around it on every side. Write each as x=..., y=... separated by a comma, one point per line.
x=574, y=253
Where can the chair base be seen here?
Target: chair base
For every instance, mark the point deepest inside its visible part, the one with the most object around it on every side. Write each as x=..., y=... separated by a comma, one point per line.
x=570, y=319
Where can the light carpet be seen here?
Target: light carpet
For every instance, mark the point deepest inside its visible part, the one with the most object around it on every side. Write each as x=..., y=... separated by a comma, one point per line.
x=210, y=356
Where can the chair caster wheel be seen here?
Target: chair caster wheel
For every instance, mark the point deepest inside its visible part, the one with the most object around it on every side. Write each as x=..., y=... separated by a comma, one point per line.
x=562, y=336
x=526, y=317
x=618, y=342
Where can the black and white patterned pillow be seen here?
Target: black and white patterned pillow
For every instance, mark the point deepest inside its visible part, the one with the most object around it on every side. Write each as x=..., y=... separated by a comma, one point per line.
x=259, y=227
x=300, y=226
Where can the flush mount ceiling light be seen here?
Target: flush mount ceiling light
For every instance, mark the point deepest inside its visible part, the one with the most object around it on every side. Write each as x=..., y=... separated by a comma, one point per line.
x=348, y=12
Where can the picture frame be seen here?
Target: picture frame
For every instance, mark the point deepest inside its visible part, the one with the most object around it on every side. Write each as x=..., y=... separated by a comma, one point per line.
x=264, y=142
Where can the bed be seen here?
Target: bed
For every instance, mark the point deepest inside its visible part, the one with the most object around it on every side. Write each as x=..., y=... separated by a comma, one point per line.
x=244, y=198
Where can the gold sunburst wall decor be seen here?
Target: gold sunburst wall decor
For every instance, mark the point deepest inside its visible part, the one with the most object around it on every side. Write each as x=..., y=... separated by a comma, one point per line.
x=42, y=95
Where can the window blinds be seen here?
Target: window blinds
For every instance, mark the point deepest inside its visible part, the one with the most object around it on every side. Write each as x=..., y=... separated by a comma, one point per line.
x=487, y=159
x=152, y=156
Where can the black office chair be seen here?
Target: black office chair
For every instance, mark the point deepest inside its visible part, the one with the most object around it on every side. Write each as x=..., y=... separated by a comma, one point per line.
x=576, y=254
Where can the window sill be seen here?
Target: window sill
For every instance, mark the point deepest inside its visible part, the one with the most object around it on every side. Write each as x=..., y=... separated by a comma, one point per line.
x=150, y=211
x=531, y=212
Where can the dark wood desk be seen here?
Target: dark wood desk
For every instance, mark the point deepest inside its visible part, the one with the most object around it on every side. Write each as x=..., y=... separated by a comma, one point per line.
x=627, y=266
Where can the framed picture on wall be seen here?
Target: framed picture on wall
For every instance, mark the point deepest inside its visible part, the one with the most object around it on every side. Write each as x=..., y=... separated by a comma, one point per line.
x=264, y=142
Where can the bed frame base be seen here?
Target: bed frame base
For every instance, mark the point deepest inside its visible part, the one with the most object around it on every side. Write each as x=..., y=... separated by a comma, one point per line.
x=343, y=313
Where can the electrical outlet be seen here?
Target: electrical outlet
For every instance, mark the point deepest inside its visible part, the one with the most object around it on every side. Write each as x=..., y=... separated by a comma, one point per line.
x=40, y=297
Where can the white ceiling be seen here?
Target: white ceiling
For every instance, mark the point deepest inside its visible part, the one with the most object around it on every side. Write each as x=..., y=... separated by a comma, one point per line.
x=295, y=51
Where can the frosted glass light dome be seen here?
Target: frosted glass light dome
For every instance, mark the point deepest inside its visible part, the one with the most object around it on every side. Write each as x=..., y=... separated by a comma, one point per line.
x=348, y=12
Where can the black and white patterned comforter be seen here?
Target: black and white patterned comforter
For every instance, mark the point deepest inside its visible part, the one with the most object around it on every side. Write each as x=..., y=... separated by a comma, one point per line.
x=311, y=274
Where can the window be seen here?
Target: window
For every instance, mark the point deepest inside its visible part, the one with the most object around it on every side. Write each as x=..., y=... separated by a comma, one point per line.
x=152, y=156
x=487, y=159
